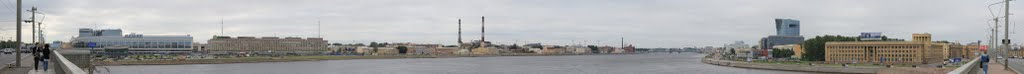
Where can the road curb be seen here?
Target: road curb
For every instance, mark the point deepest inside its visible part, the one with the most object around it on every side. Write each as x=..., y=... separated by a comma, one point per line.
x=1014, y=70
x=4, y=66
x=729, y=63
x=1011, y=68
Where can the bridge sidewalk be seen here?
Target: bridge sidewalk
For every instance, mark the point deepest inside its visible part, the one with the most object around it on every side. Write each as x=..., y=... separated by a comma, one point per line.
x=26, y=68
x=997, y=68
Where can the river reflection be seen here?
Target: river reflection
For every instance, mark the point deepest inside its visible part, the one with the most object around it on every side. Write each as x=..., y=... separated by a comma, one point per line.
x=649, y=63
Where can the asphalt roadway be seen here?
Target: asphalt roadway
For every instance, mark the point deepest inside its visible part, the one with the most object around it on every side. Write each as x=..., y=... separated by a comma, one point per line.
x=1016, y=64
x=8, y=58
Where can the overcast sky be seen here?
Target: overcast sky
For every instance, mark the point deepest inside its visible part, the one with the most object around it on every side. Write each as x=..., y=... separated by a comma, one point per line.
x=645, y=23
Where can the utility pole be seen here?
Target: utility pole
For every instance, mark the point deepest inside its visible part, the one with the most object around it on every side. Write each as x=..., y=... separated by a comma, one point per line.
x=41, y=33
x=33, y=23
x=995, y=35
x=17, y=11
x=1006, y=34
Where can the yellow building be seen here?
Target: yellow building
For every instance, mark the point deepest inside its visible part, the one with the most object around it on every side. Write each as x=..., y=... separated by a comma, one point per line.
x=921, y=50
x=1016, y=52
x=962, y=51
x=971, y=50
x=487, y=50
x=227, y=44
x=798, y=51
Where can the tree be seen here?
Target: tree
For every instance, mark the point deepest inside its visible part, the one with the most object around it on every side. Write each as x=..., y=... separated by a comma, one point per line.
x=402, y=49
x=814, y=48
x=514, y=46
x=374, y=46
x=884, y=38
x=782, y=53
x=593, y=49
x=336, y=44
x=732, y=51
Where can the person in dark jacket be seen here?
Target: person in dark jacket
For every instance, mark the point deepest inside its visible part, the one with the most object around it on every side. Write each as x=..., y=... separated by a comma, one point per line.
x=984, y=63
x=36, y=57
x=46, y=56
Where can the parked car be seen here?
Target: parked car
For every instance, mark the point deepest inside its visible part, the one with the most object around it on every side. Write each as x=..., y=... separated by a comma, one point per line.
x=25, y=51
x=7, y=50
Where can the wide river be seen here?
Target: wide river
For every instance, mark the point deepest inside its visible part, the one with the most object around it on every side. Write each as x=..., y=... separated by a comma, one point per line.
x=648, y=63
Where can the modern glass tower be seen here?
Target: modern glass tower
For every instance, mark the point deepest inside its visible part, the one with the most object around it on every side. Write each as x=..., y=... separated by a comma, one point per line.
x=787, y=27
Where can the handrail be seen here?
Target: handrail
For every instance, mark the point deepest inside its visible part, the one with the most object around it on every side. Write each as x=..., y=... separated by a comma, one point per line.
x=66, y=67
x=968, y=68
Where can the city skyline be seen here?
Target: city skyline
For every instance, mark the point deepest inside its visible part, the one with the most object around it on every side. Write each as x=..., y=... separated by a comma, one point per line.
x=657, y=23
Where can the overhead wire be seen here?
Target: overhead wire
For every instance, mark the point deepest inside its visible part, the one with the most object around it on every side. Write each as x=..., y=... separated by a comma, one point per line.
x=7, y=5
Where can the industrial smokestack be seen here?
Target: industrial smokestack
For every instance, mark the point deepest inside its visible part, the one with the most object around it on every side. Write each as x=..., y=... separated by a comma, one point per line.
x=482, y=31
x=460, y=33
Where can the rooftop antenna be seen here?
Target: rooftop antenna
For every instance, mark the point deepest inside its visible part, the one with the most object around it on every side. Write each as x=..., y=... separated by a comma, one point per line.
x=318, y=28
x=221, y=25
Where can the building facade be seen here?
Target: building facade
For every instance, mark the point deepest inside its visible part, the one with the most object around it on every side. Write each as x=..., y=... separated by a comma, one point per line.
x=771, y=41
x=266, y=45
x=972, y=50
x=787, y=27
x=919, y=51
x=135, y=43
x=796, y=48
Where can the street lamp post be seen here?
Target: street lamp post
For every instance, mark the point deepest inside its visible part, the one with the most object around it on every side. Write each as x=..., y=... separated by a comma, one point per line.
x=1006, y=33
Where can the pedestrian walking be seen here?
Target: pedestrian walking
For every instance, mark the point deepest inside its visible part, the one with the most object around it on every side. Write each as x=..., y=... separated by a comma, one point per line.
x=984, y=63
x=35, y=56
x=46, y=56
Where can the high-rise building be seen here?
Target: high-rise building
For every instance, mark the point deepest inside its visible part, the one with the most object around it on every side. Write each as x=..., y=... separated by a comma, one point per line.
x=788, y=32
x=787, y=27
x=84, y=32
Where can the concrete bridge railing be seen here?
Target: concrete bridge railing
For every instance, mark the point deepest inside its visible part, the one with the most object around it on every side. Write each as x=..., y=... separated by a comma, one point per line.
x=971, y=67
x=63, y=66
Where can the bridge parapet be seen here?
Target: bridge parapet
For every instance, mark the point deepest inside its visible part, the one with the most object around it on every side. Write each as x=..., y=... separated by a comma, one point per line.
x=971, y=67
x=64, y=66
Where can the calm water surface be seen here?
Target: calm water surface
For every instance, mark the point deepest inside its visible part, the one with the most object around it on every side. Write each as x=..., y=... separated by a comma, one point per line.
x=650, y=63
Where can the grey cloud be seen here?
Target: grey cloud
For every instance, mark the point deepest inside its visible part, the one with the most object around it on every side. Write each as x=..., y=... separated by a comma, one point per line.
x=646, y=23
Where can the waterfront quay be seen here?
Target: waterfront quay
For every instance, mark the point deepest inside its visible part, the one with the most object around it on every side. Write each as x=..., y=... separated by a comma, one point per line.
x=308, y=58
x=641, y=63
x=821, y=67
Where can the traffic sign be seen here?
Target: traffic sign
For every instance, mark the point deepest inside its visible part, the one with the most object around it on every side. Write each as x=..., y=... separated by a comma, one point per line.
x=92, y=44
x=1006, y=41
